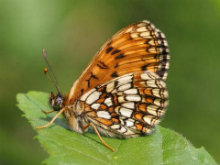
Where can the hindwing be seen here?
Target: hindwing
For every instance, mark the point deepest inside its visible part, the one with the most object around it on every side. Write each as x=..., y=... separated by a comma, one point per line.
x=128, y=105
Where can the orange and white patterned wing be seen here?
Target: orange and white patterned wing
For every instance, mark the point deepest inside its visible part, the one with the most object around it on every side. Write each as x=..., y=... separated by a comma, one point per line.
x=126, y=106
x=136, y=48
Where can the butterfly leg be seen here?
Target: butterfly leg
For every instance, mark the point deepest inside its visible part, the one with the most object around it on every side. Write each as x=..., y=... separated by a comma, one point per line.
x=94, y=127
x=51, y=122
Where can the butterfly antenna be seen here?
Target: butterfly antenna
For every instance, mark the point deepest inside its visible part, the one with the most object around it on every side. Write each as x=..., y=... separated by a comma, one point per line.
x=46, y=71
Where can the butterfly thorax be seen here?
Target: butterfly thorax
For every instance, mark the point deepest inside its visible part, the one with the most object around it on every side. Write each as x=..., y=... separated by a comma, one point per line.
x=75, y=117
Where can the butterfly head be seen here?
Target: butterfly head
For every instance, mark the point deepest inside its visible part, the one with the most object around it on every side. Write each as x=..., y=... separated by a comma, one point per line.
x=56, y=101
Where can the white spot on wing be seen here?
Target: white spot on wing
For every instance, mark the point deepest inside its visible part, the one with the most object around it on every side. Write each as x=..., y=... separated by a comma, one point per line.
x=110, y=86
x=125, y=79
x=108, y=102
x=151, y=83
x=150, y=120
x=157, y=102
x=115, y=126
x=129, y=122
x=165, y=43
x=145, y=76
x=152, y=112
x=131, y=91
x=145, y=34
x=114, y=91
x=166, y=103
x=134, y=35
x=167, y=66
x=121, y=99
x=141, y=29
x=162, y=35
x=161, y=84
x=129, y=105
x=125, y=112
x=133, y=98
x=156, y=92
x=156, y=32
x=164, y=76
x=152, y=107
x=83, y=98
x=122, y=130
x=124, y=87
x=141, y=24
x=165, y=94
x=103, y=114
x=152, y=26
x=147, y=119
x=93, y=97
x=95, y=106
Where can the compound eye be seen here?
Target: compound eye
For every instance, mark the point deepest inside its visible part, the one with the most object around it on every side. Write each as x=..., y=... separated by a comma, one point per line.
x=59, y=101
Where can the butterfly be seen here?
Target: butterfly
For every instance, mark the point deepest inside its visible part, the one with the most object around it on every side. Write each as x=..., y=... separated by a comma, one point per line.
x=122, y=92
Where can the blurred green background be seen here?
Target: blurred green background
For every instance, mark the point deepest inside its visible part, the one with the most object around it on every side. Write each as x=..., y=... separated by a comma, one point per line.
x=73, y=30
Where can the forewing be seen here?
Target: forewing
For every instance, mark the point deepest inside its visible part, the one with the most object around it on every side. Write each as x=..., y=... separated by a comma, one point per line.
x=127, y=106
x=136, y=48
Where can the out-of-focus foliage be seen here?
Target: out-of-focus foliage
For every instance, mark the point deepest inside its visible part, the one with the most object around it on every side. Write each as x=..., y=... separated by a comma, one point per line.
x=72, y=31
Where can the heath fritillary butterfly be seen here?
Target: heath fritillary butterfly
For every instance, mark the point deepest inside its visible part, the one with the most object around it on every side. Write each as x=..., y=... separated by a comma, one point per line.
x=122, y=92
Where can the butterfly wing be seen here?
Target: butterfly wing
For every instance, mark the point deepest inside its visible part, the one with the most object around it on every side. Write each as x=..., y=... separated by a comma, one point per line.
x=128, y=105
x=136, y=48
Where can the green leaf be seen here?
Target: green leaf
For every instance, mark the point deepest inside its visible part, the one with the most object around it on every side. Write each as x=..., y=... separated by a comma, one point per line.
x=67, y=147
